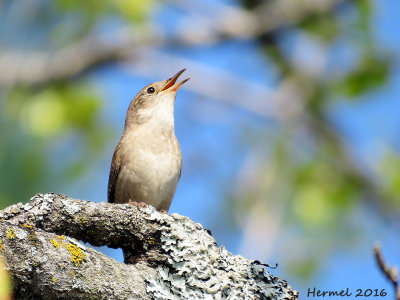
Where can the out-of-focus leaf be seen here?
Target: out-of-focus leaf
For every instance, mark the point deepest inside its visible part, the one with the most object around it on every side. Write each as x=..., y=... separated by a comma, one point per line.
x=273, y=51
x=22, y=167
x=82, y=106
x=56, y=109
x=390, y=180
x=304, y=268
x=312, y=206
x=134, y=10
x=131, y=10
x=364, y=11
x=322, y=195
x=370, y=74
x=88, y=6
x=323, y=26
x=49, y=137
x=44, y=115
x=5, y=280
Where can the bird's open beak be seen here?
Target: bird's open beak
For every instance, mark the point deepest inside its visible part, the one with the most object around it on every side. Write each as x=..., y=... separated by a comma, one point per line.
x=171, y=86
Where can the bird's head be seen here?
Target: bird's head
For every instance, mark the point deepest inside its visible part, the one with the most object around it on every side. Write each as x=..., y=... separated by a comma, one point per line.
x=155, y=101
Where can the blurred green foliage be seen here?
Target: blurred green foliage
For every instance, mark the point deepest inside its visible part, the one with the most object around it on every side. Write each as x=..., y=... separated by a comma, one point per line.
x=370, y=74
x=307, y=169
x=389, y=180
x=5, y=281
x=323, y=26
x=57, y=123
x=131, y=10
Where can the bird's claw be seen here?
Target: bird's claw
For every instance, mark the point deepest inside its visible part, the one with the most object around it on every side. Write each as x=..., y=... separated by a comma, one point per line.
x=138, y=204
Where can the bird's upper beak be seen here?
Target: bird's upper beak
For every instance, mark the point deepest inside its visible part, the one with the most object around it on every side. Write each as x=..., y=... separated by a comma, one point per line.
x=171, y=86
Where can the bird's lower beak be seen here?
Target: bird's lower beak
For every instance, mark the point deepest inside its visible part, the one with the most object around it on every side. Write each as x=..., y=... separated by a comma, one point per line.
x=171, y=86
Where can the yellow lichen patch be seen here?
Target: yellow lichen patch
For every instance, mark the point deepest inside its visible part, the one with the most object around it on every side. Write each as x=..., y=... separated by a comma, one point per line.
x=33, y=238
x=11, y=234
x=1, y=246
x=55, y=243
x=82, y=220
x=54, y=280
x=77, y=255
x=151, y=241
x=27, y=226
x=60, y=241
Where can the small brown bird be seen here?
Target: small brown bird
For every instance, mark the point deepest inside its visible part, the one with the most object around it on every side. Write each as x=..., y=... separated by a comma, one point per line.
x=146, y=165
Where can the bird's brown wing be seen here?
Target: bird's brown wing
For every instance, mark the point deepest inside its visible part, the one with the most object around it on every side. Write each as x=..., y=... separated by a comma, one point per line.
x=114, y=172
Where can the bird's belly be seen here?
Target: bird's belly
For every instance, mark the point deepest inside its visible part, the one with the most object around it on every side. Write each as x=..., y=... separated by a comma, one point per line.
x=150, y=177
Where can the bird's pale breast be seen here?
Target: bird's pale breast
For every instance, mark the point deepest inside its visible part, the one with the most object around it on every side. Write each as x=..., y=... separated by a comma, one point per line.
x=151, y=165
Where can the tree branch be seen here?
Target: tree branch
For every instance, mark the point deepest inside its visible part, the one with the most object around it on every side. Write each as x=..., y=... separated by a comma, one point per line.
x=168, y=256
x=389, y=272
x=38, y=68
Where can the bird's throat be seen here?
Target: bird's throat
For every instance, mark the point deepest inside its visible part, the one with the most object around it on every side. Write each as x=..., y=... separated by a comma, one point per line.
x=159, y=117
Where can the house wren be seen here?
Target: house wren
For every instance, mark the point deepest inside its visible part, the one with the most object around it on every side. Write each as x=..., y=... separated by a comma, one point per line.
x=146, y=165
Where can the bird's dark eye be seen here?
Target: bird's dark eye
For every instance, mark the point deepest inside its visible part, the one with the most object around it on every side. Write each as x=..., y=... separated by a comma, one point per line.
x=150, y=90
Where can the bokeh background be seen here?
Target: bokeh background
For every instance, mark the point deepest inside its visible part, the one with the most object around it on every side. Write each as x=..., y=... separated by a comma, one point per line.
x=289, y=126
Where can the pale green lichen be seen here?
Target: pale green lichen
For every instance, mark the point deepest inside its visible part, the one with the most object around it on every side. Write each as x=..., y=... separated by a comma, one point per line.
x=197, y=267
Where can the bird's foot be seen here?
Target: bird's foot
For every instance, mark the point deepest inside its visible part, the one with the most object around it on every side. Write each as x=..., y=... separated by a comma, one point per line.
x=138, y=204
